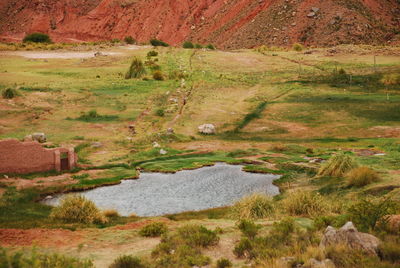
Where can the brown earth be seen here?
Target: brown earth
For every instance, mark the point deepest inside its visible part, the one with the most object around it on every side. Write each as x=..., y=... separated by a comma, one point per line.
x=228, y=24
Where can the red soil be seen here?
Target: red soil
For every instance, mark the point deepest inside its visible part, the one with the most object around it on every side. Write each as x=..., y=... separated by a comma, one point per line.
x=40, y=237
x=228, y=24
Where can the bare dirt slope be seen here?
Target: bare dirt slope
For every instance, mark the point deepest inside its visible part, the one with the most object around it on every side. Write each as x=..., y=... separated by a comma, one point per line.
x=228, y=24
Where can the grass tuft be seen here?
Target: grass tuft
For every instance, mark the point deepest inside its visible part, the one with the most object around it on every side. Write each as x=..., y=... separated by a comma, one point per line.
x=338, y=165
x=361, y=176
x=255, y=206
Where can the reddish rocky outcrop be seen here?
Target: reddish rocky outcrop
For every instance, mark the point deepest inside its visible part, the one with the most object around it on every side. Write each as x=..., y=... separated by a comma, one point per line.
x=228, y=24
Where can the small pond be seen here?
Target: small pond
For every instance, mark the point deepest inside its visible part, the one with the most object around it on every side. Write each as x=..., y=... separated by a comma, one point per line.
x=155, y=194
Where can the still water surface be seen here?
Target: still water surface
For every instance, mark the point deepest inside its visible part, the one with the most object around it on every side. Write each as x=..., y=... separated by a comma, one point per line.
x=155, y=194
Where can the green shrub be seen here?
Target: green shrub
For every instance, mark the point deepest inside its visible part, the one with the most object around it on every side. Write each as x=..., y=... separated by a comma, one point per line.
x=152, y=53
x=198, y=236
x=361, y=176
x=390, y=251
x=243, y=248
x=158, y=75
x=248, y=228
x=338, y=165
x=344, y=257
x=160, y=112
x=37, y=38
x=298, y=47
x=371, y=213
x=255, y=206
x=154, y=229
x=136, y=70
x=9, y=93
x=210, y=46
x=93, y=116
x=130, y=40
x=198, y=46
x=188, y=44
x=127, y=261
x=77, y=209
x=305, y=203
x=34, y=259
x=224, y=263
x=158, y=43
x=182, y=248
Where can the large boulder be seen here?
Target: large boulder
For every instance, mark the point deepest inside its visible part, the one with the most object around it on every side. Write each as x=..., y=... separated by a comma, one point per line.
x=350, y=237
x=208, y=129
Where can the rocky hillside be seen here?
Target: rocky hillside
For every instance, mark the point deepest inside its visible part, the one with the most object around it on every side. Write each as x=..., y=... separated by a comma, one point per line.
x=228, y=24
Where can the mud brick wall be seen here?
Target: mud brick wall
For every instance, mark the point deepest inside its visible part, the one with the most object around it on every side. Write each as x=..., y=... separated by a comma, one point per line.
x=28, y=157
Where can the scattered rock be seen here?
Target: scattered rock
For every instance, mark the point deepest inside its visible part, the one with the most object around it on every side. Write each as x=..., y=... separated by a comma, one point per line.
x=327, y=263
x=156, y=145
x=39, y=137
x=349, y=236
x=96, y=144
x=49, y=197
x=163, y=152
x=315, y=9
x=170, y=130
x=5, y=176
x=311, y=14
x=98, y=54
x=208, y=129
x=132, y=129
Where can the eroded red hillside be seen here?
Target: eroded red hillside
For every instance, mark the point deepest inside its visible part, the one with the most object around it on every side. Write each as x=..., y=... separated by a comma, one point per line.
x=227, y=23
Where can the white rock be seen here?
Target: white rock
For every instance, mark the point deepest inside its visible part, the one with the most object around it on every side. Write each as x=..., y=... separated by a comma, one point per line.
x=163, y=152
x=208, y=129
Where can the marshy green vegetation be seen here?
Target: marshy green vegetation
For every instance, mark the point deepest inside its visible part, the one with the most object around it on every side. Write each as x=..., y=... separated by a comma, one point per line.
x=326, y=120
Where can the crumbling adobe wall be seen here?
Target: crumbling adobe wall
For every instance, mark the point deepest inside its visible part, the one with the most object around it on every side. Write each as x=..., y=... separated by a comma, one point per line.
x=28, y=157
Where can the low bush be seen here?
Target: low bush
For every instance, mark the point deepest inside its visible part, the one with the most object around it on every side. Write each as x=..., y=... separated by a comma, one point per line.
x=224, y=263
x=127, y=261
x=305, y=203
x=244, y=248
x=34, y=259
x=248, y=228
x=130, y=40
x=94, y=116
x=198, y=46
x=154, y=229
x=152, y=53
x=361, y=176
x=298, y=47
x=255, y=206
x=371, y=213
x=182, y=248
x=390, y=251
x=37, y=38
x=77, y=209
x=158, y=75
x=111, y=213
x=136, y=69
x=9, y=93
x=210, y=46
x=338, y=165
x=344, y=257
x=158, y=43
x=198, y=236
x=188, y=44
x=160, y=112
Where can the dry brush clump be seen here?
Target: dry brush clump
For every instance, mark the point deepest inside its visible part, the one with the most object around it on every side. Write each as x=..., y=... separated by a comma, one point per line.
x=77, y=209
x=338, y=165
x=361, y=176
x=154, y=229
x=136, y=70
x=305, y=203
x=255, y=206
